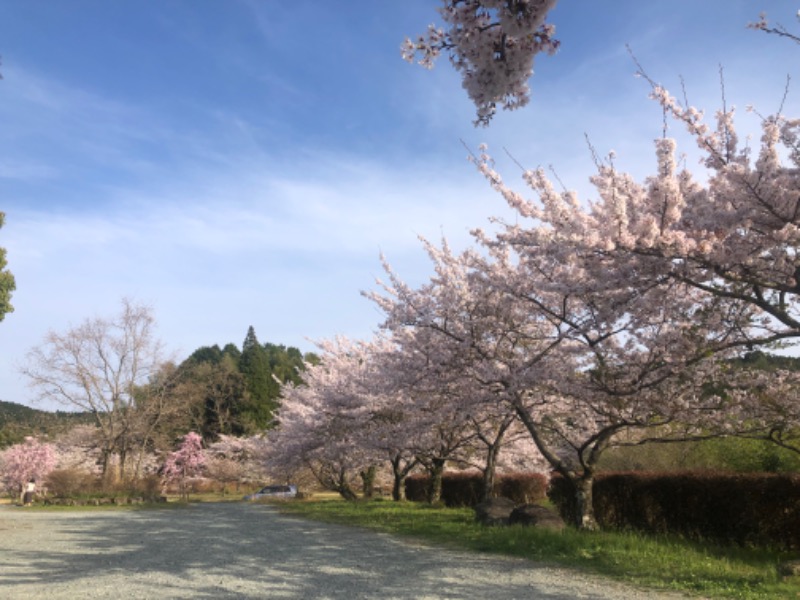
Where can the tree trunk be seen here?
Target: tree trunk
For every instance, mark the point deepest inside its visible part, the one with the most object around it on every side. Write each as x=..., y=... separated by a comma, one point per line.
x=106, y=467
x=104, y=454
x=489, y=473
x=399, y=487
x=123, y=458
x=400, y=473
x=368, y=481
x=436, y=471
x=137, y=466
x=346, y=492
x=341, y=484
x=584, y=507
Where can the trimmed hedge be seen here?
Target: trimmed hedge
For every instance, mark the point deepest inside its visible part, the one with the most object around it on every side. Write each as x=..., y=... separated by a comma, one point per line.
x=465, y=488
x=747, y=509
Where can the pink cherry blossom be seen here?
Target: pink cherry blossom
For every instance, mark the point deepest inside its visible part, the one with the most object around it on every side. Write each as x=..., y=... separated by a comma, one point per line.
x=492, y=43
x=186, y=462
x=29, y=461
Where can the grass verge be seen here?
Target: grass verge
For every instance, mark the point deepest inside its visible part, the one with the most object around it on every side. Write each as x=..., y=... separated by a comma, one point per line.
x=663, y=563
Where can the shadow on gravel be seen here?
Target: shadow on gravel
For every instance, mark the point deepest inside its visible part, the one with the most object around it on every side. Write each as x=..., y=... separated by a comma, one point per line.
x=241, y=550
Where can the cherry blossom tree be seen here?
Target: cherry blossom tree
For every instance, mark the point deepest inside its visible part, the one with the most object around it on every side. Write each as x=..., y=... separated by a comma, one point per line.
x=237, y=459
x=31, y=460
x=731, y=239
x=642, y=292
x=78, y=448
x=384, y=431
x=434, y=429
x=734, y=237
x=525, y=330
x=352, y=416
x=451, y=343
x=186, y=462
x=321, y=421
x=665, y=273
x=762, y=404
x=492, y=43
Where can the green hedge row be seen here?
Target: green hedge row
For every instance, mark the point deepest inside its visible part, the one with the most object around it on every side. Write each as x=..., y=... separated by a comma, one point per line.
x=748, y=509
x=466, y=488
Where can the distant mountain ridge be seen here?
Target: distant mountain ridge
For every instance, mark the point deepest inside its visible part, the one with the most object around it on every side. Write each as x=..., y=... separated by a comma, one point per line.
x=18, y=421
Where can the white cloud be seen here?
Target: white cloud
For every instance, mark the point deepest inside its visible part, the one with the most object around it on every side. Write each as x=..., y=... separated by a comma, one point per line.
x=262, y=192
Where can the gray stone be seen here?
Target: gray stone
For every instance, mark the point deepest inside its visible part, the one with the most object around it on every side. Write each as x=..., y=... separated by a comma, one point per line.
x=495, y=511
x=534, y=515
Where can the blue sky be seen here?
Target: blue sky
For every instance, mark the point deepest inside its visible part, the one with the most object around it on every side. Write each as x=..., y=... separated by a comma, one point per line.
x=244, y=162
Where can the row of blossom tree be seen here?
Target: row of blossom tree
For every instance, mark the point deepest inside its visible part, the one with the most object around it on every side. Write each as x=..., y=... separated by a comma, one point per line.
x=229, y=460
x=590, y=324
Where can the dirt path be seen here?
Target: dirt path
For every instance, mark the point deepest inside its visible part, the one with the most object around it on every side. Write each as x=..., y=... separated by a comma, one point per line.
x=238, y=550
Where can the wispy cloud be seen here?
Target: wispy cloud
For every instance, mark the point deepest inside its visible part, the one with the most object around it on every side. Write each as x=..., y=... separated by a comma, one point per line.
x=248, y=163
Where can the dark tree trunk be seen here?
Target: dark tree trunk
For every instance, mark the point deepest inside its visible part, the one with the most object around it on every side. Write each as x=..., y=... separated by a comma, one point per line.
x=400, y=473
x=346, y=492
x=368, y=481
x=399, y=488
x=584, y=506
x=436, y=471
x=489, y=473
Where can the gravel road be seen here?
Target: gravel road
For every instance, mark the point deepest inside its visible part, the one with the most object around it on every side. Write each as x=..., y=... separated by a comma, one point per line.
x=239, y=550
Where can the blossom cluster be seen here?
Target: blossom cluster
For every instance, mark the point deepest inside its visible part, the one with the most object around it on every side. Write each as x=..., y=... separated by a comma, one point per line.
x=31, y=460
x=492, y=43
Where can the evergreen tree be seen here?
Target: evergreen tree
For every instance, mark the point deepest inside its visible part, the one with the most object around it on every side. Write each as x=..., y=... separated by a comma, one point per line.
x=233, y=391
x=255, y=367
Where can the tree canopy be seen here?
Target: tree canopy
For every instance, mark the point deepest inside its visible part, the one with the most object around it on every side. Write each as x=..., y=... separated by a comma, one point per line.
x=7, y=281
x=237, y=391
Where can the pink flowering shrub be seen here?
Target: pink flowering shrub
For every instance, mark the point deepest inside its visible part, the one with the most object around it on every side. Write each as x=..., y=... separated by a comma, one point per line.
x=187, y=461
x=29, y=461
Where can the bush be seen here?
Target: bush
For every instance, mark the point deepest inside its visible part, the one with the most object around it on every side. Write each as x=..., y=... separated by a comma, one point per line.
x=747, y=509
x=522, y=488
x=148, y=488
x=465, y=488
x=719, y=454
x=78, y=484
x=68, y=483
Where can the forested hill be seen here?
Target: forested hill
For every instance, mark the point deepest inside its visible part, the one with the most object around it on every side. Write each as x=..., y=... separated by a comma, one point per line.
x=18, y=421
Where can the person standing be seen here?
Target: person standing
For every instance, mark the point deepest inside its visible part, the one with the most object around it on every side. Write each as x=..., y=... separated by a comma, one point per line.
x=30, y=490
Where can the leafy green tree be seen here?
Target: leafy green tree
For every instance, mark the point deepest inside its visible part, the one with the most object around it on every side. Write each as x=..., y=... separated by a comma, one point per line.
x=7, y=282
x=234, y=392
x=213, y=392
x=232, y=351
x=765, y=361
x=206, y=354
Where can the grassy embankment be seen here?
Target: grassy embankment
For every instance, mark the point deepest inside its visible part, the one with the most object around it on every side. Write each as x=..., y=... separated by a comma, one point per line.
x=657, y=562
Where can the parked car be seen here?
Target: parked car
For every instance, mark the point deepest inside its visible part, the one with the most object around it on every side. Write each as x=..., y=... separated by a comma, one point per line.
x=274, y=491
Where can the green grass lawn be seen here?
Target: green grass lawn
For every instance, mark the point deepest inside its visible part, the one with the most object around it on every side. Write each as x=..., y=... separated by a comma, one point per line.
x=658, y=562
